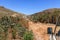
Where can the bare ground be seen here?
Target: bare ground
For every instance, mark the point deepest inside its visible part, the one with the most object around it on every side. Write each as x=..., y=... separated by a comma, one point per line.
x=40, y=30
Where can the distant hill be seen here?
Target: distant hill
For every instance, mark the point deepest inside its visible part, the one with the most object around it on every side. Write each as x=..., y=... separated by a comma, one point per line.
x=13, y=25
x=7, y=12
x=46, y=16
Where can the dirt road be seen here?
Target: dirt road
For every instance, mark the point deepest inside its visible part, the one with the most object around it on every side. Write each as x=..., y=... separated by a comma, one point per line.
x=40, y=30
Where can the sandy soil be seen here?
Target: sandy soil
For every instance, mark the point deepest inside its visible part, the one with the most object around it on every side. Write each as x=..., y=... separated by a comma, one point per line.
x=40, y=30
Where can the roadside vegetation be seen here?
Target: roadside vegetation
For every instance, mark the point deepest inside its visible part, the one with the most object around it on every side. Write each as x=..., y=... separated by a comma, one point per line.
x=10, y=28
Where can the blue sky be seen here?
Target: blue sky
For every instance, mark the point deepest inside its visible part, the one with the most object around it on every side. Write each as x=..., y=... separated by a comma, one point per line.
x=30, y=6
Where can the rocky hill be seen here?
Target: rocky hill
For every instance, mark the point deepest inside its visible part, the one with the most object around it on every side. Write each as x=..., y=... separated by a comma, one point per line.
x=7, y=12
x=13, y=25
x=18, y=26
x=46, y=16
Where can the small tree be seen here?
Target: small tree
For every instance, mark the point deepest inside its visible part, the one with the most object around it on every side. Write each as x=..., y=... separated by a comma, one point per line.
x=28, y=35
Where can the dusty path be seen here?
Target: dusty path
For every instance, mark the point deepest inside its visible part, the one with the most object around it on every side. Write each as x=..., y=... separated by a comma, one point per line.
x=40, y=30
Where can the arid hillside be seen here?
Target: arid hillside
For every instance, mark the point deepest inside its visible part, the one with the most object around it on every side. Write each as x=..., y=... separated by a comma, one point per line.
x=13, y=25
x=7, y=12
x=41, y=21
x=18, y=26
x=46, y=16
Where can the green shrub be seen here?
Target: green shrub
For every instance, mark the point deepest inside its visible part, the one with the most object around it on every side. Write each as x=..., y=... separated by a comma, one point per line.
x=28, y=35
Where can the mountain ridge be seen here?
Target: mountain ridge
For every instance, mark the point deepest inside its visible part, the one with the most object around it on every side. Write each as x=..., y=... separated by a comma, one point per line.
x=46, y=15
x=39, y=29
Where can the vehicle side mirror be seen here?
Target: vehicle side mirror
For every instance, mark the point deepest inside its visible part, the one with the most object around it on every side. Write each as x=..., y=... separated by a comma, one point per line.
x=49, y=30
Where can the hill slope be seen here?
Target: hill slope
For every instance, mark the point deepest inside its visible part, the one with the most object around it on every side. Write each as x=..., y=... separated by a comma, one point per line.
x=20, y=21
x=46, y=16
x=7, y=12
x=40, y=28
x=12, y=24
